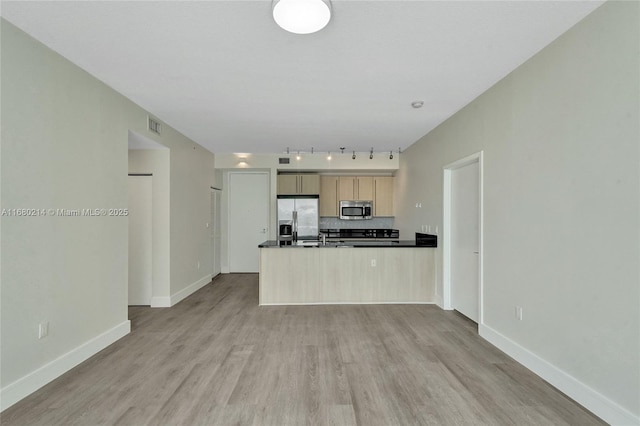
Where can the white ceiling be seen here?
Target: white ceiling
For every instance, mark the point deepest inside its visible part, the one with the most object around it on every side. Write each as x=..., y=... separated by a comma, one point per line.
x=224, y=74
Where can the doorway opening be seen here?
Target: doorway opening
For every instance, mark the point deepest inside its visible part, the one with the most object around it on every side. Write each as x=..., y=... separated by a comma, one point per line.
x=150, y=259
x=463, y=237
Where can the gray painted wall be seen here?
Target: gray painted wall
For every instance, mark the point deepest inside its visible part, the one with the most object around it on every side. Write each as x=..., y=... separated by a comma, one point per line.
x=560, y=137
x=65, y=146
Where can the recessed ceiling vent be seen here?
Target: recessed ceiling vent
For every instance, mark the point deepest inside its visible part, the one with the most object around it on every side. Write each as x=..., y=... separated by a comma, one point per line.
x=283, y=160
x=155, y=126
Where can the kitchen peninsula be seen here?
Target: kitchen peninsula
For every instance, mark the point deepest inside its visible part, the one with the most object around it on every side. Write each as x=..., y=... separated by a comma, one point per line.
x=347, y=272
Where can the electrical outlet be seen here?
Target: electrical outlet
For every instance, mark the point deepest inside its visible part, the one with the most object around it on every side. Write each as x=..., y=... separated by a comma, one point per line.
x=373, y=263
x=43, y=329
x=519, y=313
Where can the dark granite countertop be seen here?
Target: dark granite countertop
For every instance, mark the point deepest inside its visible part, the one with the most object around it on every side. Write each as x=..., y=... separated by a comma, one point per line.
x=343, y=244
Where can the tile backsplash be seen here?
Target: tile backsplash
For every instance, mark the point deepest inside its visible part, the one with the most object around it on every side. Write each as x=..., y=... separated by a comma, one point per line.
x=375, y=223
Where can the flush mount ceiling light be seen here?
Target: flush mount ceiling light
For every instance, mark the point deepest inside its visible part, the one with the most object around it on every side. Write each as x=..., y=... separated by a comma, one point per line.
x=417, y=104
x=302, y=16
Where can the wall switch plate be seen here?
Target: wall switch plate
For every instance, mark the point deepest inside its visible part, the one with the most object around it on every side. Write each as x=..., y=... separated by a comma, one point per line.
x=373, y=262
x=519, y=313
x=43, y=330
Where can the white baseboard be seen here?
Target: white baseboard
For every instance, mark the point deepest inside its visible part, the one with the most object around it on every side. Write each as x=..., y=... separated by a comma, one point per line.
x=161, y=302
x=33, y=381
x=589, y=398
x=190, y=289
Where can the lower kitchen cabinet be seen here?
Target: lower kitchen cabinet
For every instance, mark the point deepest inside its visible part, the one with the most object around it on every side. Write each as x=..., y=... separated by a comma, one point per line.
x=294, y=276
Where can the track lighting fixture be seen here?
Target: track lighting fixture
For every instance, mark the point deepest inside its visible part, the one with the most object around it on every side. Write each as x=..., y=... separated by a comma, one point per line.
x=371, y=154
x=298, y=156
x=390, y=155
x=342, y=150
x=353, y=157
x=329, y=155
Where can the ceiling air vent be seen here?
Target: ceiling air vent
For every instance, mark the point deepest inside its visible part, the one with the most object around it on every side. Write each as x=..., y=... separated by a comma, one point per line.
x=283, y=161
x=155, y=126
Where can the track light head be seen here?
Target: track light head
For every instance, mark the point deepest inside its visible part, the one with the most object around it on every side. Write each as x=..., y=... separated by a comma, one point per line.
x=353, y=157
x=390, y=155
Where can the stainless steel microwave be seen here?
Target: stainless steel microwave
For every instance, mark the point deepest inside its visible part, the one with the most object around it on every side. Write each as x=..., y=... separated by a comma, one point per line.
x=356, y=210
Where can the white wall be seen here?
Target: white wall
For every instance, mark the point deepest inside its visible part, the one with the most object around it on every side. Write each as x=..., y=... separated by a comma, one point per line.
x=560, y=137
x=192, y=176
x=64, y=146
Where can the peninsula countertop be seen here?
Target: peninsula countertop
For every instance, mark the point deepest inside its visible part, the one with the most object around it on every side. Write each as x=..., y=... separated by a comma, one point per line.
x=345, y=244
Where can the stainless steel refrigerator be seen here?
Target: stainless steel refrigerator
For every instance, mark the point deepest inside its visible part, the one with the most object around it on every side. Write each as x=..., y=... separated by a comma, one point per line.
x=302, y=213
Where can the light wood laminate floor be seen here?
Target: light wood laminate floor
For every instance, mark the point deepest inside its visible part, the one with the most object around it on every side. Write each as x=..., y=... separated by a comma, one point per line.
x=217, y=358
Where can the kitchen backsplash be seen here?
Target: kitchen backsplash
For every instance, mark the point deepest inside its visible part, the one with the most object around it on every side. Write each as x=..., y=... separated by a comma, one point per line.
x=375, y=223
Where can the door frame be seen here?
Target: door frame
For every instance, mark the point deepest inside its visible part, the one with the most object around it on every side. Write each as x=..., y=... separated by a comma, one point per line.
x=216, y=217
x=478, y=157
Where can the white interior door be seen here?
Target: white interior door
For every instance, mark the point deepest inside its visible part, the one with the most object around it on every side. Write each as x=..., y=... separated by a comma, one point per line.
x=248, y=219
x=140, y=241
x=465, y=234
x=215, y=230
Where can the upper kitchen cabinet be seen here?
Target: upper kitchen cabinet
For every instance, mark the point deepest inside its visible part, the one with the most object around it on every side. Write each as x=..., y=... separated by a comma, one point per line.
x=306, y=184
x=355, y=188
x=383, y=196
x=329, y=196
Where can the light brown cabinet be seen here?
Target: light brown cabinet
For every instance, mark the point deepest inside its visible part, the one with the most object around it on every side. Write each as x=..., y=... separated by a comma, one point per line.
x=378, y=189
x=329, y=196
x=355, y=188
x=298, y=184
x=383, y=196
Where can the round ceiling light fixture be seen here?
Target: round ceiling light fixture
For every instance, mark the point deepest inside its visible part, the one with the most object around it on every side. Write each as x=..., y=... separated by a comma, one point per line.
x=302, y=16
x=417, y=104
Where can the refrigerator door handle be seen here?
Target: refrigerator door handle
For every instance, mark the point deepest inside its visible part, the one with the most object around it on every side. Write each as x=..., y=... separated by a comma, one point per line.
x=295, y=226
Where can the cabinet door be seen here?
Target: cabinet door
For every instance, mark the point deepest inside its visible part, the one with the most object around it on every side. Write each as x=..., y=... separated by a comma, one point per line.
x=287, y=184
x=329, y=196
x=346, y=186
x=383, y=201
x=309, y=184
x=365, y=188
